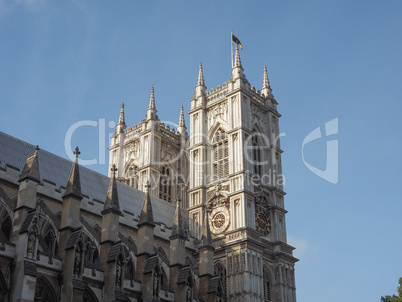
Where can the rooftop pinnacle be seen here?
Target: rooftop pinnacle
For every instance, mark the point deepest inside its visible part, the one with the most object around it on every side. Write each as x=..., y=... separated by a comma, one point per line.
x=74, y=183
x=112, y=197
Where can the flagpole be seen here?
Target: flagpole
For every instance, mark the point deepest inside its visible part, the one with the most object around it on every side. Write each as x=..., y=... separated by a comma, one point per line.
x=231, y=44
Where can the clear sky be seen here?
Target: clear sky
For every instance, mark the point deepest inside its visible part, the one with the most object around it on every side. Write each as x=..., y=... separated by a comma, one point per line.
x=62, y=62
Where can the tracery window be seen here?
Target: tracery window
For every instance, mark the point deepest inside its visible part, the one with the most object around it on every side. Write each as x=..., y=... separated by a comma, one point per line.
x=165, y=184
x=267, y=286
x=44, y=291
x=220, y=154
x=220, y=270
x=6, y=227
x=50, y=241
x=256, y=155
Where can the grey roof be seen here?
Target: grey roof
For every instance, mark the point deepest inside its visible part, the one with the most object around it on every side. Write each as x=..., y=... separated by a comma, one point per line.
x=184, y=273
x=6, y=199
x=53, y=168
x=73, y=239
x=115, y=252
x=151, y=263
x=214, y=284
x=28, y=220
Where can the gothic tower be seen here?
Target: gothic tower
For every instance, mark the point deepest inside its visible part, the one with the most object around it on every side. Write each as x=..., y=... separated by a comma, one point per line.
x=236, y=175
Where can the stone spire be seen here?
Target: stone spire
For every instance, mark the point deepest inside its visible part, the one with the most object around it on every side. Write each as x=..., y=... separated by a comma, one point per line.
x=237, y=70
x=200, y=76
x=237, y=62
x=122, y=122
x=112, y=197
x=178, y=227
x=151, y=112
x=200, y=89
x=74, y=183
x=206, y=237
x=182, y=124
x=31, y=168
x=266, y=87
x=146, y=216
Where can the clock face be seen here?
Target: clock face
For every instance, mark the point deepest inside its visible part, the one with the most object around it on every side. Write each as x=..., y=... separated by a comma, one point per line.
x=263, y=223
x=220, y=220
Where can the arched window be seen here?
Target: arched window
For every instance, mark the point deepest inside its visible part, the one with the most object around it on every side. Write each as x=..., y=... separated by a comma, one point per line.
x=220, y=270
x=165, y=184
x=220, y=154
x=163, y=280
x=88, y=254
x=50, y=241
x=95, y=258
x=256, y=153
x=133, y=176
x=6, y=227
x=129, y=273
x=89, y=296
x=267, y=286
x=44, y=292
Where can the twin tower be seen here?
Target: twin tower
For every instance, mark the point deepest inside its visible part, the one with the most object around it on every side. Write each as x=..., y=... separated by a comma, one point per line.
x=228, y=169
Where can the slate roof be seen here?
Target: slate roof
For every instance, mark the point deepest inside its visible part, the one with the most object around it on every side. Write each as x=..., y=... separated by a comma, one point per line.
x=184, y=273
x=73, y=239
x=27, y=221
x=150, y=265
x=6, y=199
x=53, y=168
x=213, y=285
x=30, y=268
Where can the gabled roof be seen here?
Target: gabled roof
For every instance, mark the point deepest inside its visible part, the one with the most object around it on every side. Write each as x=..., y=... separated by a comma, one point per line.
x=94, y=186
x=75, y=236
x=184, y=274
x=214, y=284
x=6, y=199
x=151, y=263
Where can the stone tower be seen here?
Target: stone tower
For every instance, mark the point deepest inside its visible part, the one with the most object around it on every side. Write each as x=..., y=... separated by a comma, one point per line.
x=151, y=151
x=236, y=176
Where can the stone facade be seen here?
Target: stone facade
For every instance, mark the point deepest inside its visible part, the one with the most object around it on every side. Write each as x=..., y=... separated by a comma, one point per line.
x=196, y=217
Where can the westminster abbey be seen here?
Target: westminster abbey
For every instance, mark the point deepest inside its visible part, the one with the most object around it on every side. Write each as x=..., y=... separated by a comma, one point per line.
x=194, y=215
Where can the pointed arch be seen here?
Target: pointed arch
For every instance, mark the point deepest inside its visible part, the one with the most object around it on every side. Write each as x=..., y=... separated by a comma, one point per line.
x=220, y=270
x=89, y=295
x=3, y=287
x=219, y=123
x=166, y=181
x=131, y=173
x=6, y=226
x=44, y=291
x=268, y=281
x=220, y=154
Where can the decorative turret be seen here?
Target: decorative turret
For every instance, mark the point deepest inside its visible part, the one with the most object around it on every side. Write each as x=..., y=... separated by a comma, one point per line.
x=112, y=197
x=74, y=183
x=29, y=180
x=72, y=197
x=71, y=211
x=111, y=212
x=200, y=89
x=178, y=227
x=237, y=70
x=177, y=246
x=182, y=124
x=206, y=258
x=146, y=225
x=121, y=125
x=31, y=168
x=266, y=87
x=151, y=112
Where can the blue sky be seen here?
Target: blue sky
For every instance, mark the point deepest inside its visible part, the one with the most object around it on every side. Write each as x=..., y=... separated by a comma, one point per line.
x=65, y=62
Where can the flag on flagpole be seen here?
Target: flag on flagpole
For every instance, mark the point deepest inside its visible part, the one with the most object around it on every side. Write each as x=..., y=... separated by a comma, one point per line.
x=237, y=41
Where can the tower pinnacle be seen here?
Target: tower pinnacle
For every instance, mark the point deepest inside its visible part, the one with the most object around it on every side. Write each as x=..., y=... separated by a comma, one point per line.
x=182, y=124
x=74, y=182
x=200, y=76
x=266, y=87
x=151, y=112
x=112, y=197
